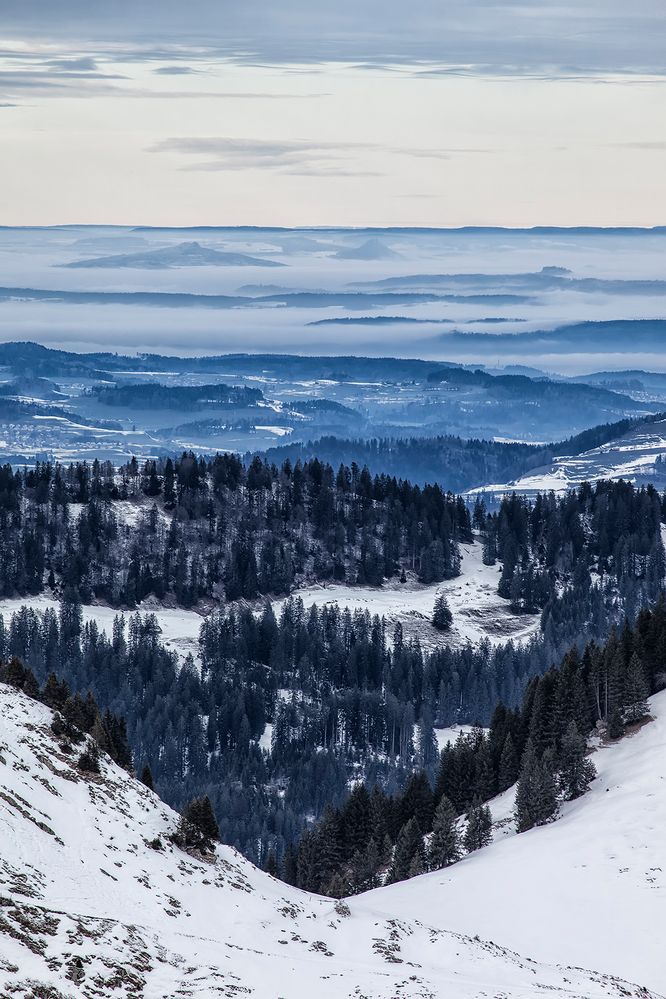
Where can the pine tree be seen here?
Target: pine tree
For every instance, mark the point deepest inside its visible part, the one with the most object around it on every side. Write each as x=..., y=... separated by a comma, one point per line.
x=444, y=846
x=55, y=693
x=479, y=829
x=635, y=692
x=615, y=725
x=270, y=865
x=289, y=866
x=147, y=777
x=88, y=761
x=442, y=618
x=307, y=865
x=508, y=765
x=536, y=794
x=197, y=827
x=338, y=888
x=576, y=772
x=417, y=802
x=416, y=866
x=363, y=870
x=355, y=821
x=329, y=846
x=410, y=843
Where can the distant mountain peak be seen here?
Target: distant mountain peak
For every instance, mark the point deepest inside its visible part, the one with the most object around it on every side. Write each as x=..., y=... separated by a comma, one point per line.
x=187, y=254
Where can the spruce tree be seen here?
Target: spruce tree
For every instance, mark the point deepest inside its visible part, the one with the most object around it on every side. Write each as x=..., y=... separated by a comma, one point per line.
x=355, y=821
x=147, y=777
x=198, y=826
x=635, y=692
x=576, y=771
x=417, y=802
x=410, y=843
x=289, y=866
x=307, y=867
x=338, y=888
x=416, y=866
x=508, y=765
x=615, y=725
x=442, y=618
x=479, y=829
x=536, y=794
x=329, y=846
x=444, y=846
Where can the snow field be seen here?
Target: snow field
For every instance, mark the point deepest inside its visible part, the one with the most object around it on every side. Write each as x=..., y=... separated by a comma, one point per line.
x=588, y=889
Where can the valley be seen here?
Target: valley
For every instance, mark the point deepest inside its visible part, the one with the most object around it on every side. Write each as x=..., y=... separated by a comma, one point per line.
x=332, y=500
x=97, y=900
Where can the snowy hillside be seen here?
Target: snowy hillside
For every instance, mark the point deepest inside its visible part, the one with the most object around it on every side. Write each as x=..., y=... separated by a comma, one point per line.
x=95, y=901
x=590, y=889
x=631, y=457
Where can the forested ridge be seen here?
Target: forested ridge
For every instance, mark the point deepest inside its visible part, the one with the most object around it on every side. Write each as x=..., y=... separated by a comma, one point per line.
x=215, y=529
x=346, y=696
x=459, y=463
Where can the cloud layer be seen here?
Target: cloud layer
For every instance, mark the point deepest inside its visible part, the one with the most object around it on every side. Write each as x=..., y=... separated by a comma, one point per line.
x=542, y=36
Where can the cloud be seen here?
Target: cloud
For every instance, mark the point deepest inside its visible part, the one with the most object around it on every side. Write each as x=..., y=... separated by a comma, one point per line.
x=44, y=75
x=289, y=156
x=548, y=37
x=177, y=70
x=655, y=146
x=79, y=64
x=299, y=157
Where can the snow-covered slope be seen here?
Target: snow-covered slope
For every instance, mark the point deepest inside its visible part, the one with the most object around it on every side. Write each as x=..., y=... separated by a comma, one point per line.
x=631, y=457
x=95, y=902
x=589, y=889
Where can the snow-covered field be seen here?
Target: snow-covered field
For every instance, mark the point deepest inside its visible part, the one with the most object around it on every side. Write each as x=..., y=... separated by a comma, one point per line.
x=450, y=734
x=97, y=902
x=587, y=890
x=478, y=612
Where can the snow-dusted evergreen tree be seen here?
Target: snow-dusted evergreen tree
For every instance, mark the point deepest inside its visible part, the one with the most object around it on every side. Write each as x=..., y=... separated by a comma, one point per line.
x=635, y=691
x=508, y=765
x=428, y=754
x=576, y=771
x=442, y=618
x=536, y=794
x=489, y=546
x=444, y=846
x=408, y=852
x=615, y=725
x=478, y=832
x=147, y=777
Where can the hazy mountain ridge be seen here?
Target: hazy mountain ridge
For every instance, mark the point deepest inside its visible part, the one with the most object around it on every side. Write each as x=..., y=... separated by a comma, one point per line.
x=524, y=280
x=189, y=254
x=272, y=396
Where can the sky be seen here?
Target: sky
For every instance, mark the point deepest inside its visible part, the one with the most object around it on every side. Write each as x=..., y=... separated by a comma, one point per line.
x=433, y=112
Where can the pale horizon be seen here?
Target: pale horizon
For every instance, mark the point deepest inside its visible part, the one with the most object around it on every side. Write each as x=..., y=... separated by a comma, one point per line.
x=457, y=114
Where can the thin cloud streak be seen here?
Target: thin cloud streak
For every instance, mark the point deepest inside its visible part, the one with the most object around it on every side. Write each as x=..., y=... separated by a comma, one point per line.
x=294, y=156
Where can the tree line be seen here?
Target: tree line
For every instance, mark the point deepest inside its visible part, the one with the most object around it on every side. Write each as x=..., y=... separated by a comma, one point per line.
x=215, y=529
x=376, y=838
